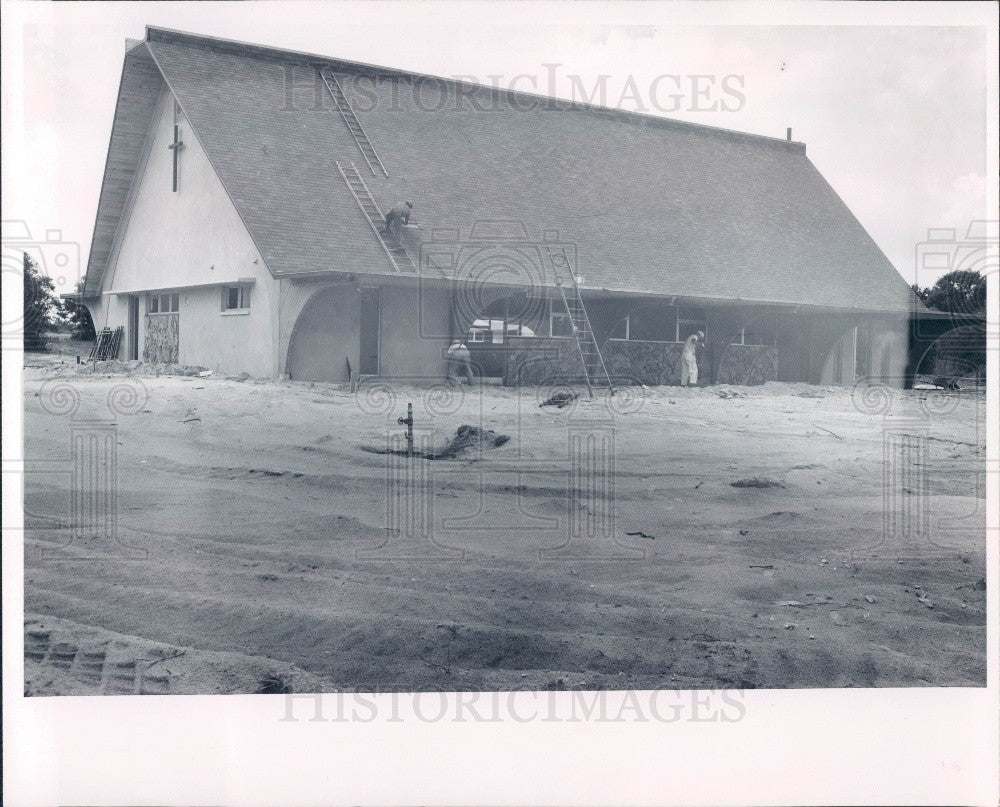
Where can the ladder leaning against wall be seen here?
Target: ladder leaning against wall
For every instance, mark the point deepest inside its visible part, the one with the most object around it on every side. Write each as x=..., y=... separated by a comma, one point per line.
x=595, y=372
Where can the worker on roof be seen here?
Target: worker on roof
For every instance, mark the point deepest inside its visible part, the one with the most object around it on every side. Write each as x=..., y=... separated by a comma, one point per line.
x=396, y=218
x=689, y=359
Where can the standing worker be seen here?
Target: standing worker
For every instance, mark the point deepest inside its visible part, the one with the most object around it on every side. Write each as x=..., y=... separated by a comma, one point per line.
x=396, y=218
x=689, y=359
x=458, y=359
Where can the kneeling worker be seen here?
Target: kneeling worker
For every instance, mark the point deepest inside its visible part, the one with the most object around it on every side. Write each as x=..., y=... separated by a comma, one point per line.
x=396, y=218
x=458, y=360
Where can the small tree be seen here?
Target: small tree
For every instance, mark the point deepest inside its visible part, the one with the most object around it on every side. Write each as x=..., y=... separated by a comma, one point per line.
x=40, y=306
x=79, y=317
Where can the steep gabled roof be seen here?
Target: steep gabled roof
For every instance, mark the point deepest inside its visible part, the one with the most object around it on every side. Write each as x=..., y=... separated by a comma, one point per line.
x=138, y=91
x=650, y=205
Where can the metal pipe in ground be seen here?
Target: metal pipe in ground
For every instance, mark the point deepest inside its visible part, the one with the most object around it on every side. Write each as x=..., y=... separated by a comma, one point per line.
x=408, y=422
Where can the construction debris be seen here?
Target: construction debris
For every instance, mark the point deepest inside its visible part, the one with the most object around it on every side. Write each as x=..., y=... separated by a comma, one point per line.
x=466, y=437
x=756, y=482
x=561, y=399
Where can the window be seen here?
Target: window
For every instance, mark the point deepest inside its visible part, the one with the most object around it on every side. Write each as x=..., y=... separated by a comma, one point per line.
x=690, y=321
x=649, y=323
x=759, y=334
x=235, y=298
x=168, y=303
x=653, y=323
x=620, y=329
x=559, y=321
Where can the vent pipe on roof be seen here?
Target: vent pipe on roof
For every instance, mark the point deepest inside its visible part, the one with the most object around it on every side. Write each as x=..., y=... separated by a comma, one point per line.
x=788, y=135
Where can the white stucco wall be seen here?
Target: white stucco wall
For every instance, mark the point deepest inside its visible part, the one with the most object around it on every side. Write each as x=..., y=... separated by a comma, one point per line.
x=191, y=241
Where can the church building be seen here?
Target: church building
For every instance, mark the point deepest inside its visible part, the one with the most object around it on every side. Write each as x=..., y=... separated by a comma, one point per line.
x=241, y=227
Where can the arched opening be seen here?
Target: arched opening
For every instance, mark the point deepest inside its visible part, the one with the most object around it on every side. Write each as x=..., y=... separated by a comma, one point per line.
x=956, y=358
x=326, y=340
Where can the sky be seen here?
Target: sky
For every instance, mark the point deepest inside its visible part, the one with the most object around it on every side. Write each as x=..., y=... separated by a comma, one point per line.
x=894, y=116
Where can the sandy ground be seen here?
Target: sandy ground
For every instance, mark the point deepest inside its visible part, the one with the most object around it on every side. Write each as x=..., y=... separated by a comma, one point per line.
x=259, y=548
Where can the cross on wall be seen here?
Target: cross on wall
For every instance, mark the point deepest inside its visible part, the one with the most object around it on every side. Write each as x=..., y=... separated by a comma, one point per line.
x=176, y=147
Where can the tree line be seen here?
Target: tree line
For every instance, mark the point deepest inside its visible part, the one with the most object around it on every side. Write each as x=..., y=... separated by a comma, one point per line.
x=960, y=292
x=45, y=312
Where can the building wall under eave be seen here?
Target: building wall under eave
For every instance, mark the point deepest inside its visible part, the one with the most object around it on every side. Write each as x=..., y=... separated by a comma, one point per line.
x=414, y=332
x=227, y=342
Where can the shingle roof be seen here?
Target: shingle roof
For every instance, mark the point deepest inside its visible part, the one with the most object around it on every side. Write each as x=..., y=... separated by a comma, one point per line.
x=650, y=205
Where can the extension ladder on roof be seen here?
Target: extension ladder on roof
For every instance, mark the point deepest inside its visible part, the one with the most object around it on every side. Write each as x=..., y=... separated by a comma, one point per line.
x=344, y=106
x=373, y=213
x=595, y=373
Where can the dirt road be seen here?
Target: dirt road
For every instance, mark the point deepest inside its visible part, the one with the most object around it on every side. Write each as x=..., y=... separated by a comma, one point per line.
x=258, y=547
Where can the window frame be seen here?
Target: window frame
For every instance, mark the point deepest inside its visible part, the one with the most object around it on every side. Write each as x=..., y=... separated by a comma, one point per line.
x=624, y=338
x=742, y=335
x=162, y=302
x=562, y=316
x=699, y=323
x=243, y=299
x=677, y=321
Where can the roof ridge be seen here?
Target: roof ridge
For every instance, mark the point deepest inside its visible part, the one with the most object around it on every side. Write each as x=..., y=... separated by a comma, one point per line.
x=168, y=35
